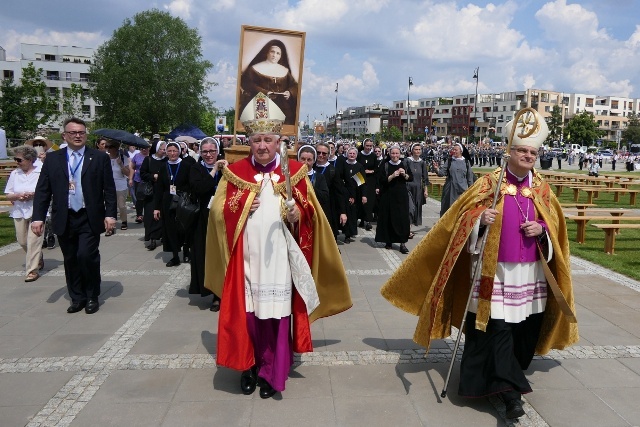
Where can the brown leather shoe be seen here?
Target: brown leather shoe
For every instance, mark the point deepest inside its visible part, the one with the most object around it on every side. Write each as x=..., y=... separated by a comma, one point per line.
x=32, y=277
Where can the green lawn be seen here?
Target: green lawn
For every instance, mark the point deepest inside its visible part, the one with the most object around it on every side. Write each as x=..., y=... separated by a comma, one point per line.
x=7, y=230
x=626, y=258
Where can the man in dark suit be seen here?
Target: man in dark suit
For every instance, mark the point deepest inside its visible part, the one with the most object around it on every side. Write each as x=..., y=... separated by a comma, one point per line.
x=80, y=181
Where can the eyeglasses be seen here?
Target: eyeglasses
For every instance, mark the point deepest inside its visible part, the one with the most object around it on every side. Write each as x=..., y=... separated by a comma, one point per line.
x=76, y=133
x=17, y=159
x=523, y=151
x=209, y=152
x=322, y=153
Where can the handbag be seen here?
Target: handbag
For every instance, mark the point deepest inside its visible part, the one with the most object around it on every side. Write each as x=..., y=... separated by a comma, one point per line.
x=144, y=190
x=187, y=209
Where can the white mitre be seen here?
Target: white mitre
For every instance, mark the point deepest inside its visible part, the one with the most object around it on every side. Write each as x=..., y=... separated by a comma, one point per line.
x=531, y=130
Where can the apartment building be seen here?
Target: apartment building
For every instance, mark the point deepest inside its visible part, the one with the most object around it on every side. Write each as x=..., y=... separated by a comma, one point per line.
x=358, y=121
x=62, y=66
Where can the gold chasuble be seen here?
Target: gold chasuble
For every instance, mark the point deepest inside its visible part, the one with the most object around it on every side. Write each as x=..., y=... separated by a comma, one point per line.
x=434, y=281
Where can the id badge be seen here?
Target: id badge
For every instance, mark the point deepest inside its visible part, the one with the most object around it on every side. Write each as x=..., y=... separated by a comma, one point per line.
x=172, y=190
x=72, y=187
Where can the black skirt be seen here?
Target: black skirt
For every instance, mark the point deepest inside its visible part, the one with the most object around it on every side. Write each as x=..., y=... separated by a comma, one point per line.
x=493, y=361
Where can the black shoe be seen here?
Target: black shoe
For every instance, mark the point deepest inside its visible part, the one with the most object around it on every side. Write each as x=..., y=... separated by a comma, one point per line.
x=173, y=262
x=266, y=391
x=361, y=224
x=152, y=245
x=403, y=249
x=92, y=306
x=186, y=259
x=76, y=306
x=388, y=246
x=368, y=226
x=215, y=305
x=514, y=409
x=51, y=242
x=248, y=381
x=347, y=240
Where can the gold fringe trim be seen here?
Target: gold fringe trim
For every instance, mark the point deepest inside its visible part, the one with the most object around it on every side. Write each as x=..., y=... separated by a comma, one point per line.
x=482, y=314
x=239, y=182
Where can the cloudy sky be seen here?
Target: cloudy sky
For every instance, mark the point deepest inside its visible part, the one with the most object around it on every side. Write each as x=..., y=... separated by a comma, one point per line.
x=371, y=47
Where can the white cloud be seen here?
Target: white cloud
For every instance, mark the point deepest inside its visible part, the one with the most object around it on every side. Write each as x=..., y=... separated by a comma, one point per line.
x=309, y=14
x=222, y=5
x=446, y=33
x=225, y=75
x=181, y=8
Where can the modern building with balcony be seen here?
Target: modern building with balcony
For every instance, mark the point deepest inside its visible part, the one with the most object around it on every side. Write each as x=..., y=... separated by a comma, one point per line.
x=356, y=122
x=61, y=65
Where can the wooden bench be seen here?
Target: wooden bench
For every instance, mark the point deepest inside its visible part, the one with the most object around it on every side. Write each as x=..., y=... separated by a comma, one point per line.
x=610, y=231
x=591, y=190
x=601, y=211
x=582, y=220
x=616, y=194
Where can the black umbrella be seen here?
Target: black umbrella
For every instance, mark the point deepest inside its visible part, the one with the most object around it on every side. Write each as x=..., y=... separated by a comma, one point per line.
x=123, y=137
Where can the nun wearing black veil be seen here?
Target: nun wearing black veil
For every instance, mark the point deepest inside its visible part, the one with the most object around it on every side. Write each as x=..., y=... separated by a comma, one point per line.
x=459, y=176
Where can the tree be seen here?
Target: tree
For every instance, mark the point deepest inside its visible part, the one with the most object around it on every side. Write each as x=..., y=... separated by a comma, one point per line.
x=150, y=74
x=582, y=129
x=555, y=125
x=391, y=134
x=28, y=106
x=72, y=101
x=631, y=134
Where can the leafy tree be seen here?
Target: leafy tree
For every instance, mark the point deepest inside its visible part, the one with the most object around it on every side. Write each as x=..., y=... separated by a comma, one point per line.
x=151, y=74
x=40, y=108
x=631, y=134
x=26, y=107
x=72, y=101
x=11, y=108
x=391, y=134
x=555, y=125
x=582, y=129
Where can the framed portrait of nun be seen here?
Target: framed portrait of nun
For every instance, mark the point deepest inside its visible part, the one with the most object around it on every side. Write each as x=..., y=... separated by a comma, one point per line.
x=270, y=62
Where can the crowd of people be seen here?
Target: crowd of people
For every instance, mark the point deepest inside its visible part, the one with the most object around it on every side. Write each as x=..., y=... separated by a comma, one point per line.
x=263, y=240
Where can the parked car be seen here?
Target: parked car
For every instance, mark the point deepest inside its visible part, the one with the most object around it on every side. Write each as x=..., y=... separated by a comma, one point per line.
x=606, y=153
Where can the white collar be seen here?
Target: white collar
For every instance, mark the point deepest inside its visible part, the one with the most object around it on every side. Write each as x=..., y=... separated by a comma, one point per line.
x=394, y=163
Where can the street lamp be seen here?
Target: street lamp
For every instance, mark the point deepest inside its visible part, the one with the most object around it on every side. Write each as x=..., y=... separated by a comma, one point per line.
x=335, y=132
x=409, y=108
x=476, y=73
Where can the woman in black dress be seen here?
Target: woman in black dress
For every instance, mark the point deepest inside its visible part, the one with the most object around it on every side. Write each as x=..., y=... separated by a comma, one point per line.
x=353, y=180
x=149, y=171
x=419, y=186
x=307, y=155
x=173, y=178
x=393, y=211
x=204, y=177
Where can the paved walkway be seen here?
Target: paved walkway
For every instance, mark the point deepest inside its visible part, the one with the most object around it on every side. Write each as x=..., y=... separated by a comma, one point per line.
x=146, y=357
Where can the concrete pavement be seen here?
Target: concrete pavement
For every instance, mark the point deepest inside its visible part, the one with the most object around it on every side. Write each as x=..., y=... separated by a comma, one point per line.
x=146, y=357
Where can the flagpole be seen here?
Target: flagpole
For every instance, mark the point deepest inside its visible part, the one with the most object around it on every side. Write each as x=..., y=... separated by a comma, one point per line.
x=408, y=108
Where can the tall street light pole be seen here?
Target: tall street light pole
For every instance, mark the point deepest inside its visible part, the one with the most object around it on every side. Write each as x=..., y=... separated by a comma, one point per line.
x=409, y=108
x=476, y=73
x=335, y=133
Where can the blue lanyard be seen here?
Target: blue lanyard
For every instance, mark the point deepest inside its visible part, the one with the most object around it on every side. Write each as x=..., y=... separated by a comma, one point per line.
x=313, y=179
x=324, y=168
x=171, y=176
x=74, y=170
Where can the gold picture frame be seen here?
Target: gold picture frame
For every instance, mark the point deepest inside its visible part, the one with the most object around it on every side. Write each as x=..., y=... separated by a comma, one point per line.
x=285, y=88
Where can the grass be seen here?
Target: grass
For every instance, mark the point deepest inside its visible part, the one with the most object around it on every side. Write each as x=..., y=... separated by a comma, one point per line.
x=7, y=230
x=626, y=259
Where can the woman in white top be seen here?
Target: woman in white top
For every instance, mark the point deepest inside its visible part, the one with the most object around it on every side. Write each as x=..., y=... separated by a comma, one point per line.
x=19, y=190
x=120, y=166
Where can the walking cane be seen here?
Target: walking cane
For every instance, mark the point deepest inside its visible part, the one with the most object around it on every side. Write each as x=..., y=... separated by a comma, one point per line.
x=529, y=126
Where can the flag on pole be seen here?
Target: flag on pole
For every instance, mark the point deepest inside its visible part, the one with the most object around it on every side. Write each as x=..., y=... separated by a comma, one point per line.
x=475, y=73
x=358, y=178
x=410, y=82
x=336, y=87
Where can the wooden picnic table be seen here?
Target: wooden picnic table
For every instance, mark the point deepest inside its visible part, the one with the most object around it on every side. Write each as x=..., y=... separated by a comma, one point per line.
x=577, y=205
x=610, y=231
x=582, y=220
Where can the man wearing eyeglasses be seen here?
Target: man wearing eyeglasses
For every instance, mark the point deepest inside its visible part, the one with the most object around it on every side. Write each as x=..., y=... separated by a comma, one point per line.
x=79, y=179
x=525, y=260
